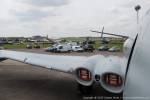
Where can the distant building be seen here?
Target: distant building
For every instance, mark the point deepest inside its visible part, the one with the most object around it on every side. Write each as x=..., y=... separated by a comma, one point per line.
x=39, y=38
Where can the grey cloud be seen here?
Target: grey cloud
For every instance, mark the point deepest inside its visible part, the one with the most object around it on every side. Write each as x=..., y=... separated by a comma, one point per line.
x=30, y=15
x=45, y=3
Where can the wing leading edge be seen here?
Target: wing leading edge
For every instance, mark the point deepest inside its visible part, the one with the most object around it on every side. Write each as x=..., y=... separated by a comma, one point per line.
x=54, y=62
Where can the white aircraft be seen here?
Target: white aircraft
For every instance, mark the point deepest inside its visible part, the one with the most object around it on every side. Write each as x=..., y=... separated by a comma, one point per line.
x=108, y=72
x=129, y=74
x=137, y=78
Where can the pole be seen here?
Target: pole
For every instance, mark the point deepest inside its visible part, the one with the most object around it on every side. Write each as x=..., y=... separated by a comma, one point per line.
x=137, y=17
x=137, y=8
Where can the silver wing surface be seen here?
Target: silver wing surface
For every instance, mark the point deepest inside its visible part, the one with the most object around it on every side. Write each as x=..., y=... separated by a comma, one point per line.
x=97, y=65
x=54, y=62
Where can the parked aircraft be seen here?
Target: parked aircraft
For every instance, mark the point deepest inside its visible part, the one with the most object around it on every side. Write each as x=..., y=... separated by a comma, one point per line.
x=123, y=36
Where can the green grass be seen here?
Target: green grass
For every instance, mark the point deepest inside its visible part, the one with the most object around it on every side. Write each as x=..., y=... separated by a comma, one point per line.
x=45, y=45
x=74, y=39
x=14, y=46
x=119, y=45
x=97, y=44
x=23, y=46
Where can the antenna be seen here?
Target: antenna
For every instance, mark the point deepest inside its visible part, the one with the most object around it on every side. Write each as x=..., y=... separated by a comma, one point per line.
x=137, y=8
x=102, y=32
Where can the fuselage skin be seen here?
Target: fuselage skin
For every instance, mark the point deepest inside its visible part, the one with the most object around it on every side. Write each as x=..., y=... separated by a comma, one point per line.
x=138, y=74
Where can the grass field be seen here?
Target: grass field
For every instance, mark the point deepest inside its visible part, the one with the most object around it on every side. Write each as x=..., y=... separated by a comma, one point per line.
x=97, y=44
x=22, y=46
x=14, y=46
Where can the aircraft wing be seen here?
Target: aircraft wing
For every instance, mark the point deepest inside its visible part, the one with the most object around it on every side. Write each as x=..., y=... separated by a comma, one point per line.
x=123, y=36
x=89, y=66
x=54, y=62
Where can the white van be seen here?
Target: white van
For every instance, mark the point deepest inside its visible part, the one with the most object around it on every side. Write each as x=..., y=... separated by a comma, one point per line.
x=63, y=48
x=77, y=49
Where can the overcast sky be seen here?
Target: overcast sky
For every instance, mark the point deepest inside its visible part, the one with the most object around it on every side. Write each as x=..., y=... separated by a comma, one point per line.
x=59, y=18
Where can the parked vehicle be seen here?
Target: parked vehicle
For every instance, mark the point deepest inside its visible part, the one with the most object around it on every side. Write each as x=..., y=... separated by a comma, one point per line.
x=114, y=49
x=50, y=49
x=29, y=46
x=77, y=49
x=88, y=48
x=63, y=48
x=103, y=48
x=1, y=48
x=59, y=48
x=36, y=46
